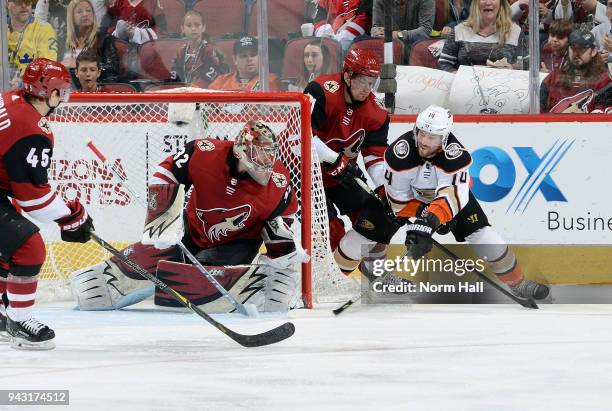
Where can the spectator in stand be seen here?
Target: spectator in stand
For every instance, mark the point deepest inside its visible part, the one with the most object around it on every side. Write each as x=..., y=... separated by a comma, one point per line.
x=554, y=51
x=412, y=20
x=315, y=63
x=488, y=35
x=603, y=35
x=198, y=62
x=28, y=38
x=455, y=11
x=601, y=102
x=343, y=20
x=583, y=70
x=136, y=21
x=589, y=12
x=83, y=35
x=54, y=12
x=246, y=75
x=88, y=71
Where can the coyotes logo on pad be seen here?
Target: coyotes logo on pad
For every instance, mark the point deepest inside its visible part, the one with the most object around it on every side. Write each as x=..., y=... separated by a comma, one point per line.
x=218, y=222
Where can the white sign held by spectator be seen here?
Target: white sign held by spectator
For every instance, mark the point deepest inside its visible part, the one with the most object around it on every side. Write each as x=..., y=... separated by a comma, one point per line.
x=482, y=90
x=419, y=87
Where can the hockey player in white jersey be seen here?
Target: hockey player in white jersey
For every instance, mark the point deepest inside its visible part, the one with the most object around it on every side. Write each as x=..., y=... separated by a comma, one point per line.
x=427, y=179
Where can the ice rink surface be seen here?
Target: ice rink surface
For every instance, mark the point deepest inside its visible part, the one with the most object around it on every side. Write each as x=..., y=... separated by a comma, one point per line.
x=409, y=357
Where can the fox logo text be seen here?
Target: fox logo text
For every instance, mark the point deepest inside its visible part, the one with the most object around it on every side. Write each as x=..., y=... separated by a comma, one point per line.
x=538, y=178
x=219, y=222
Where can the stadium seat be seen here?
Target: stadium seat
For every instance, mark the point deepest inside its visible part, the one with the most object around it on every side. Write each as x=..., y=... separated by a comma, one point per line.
x=222, y=17
x=294, y=56
x=155, y=58
x=117, y=88
x=284, y=17
x=421, y=56
x=377, y=46
x=174, y=11
x=123, y=52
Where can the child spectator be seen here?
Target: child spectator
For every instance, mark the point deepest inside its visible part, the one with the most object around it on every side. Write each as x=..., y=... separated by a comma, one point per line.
x=554, y=51
x=198, y=62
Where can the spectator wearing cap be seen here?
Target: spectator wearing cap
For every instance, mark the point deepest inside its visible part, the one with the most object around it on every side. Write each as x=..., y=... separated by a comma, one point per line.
x=246, y=75
x=583, y=70
x=28, y=38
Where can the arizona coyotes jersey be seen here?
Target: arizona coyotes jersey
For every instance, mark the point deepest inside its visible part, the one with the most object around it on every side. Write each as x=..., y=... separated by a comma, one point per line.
x=26, y=147
x=349, y=128
x=224, y=205
x=443, y=181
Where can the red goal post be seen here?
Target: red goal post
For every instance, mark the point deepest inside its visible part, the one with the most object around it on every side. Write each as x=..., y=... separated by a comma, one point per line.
x=134, y=130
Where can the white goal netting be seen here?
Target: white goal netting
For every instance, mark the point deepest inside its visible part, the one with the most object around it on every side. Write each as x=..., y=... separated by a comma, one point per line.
x=135, y=137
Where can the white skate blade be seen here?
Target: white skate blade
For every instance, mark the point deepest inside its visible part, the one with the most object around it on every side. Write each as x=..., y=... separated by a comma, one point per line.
x=23, y=344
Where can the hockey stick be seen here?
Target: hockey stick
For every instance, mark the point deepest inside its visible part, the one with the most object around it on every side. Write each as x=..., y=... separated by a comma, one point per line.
x=251, y=311
x=525, y=302
x=272, y=336
x=346, y=305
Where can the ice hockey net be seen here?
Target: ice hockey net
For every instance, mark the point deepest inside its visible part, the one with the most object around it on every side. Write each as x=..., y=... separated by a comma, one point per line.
x=134, y=132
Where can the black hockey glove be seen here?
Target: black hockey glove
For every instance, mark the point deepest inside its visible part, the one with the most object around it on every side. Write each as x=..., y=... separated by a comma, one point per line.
x=418, y=237
x=77, y=226
x=447, y=228
x=343, y=170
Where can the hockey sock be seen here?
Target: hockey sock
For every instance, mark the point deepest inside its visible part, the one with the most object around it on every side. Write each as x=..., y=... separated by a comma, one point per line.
x=21, y=292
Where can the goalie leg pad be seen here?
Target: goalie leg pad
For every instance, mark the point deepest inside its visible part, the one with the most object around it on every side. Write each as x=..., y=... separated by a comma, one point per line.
x=105, y=287
x=112, y=284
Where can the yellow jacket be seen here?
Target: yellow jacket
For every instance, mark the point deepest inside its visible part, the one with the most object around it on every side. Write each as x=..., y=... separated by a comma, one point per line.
x=39, y=40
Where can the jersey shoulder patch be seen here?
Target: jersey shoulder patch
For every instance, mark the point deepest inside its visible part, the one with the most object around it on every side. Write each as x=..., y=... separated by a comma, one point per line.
x=402, y=154
x=205, y=145
x=456, y=158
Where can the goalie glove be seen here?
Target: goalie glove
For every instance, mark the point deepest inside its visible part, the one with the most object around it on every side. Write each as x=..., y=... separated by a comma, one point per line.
x=164, y=223
x=418, y=236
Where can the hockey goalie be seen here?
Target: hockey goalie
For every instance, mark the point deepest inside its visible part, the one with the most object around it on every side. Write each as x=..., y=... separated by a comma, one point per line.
x=240, y=197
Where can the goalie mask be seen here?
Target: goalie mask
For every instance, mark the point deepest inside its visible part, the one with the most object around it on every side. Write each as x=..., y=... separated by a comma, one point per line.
x=256, y=149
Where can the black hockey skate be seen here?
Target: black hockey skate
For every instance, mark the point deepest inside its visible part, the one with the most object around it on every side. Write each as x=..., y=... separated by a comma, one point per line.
x=30, y=334
x=4, y=336
x=531, y=289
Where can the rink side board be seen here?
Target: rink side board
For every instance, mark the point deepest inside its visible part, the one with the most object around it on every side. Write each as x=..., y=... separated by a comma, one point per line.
x=542, y=182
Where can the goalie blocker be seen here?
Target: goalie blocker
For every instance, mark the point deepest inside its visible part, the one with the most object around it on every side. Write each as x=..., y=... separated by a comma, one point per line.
x=241, y=197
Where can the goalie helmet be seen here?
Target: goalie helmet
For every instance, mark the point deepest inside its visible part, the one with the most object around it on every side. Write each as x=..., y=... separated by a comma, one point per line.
x=42, y=76
x=435, y=120
x=256, y=148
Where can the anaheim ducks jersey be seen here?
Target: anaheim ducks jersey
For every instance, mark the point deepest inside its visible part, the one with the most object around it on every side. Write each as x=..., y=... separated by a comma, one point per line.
x=443, y=181
x=26, y=148
x=224, y=205
x=349, y=128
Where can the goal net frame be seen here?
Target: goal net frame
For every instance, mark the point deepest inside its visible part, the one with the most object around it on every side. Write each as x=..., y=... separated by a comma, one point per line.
x=305, y=155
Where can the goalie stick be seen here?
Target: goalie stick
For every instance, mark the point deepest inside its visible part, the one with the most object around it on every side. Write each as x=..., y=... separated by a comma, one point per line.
x=525, y=302
x=280, y=333
x=248, y=310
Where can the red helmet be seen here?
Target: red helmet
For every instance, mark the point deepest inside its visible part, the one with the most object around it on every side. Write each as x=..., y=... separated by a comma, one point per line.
x=42, y=76
x=361, y=61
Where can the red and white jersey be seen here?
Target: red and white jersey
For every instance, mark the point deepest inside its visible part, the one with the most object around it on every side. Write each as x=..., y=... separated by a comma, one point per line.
x=347, y=14
x=349, y=128
x=442, y=182
x=224, y=205
x=26, y=147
